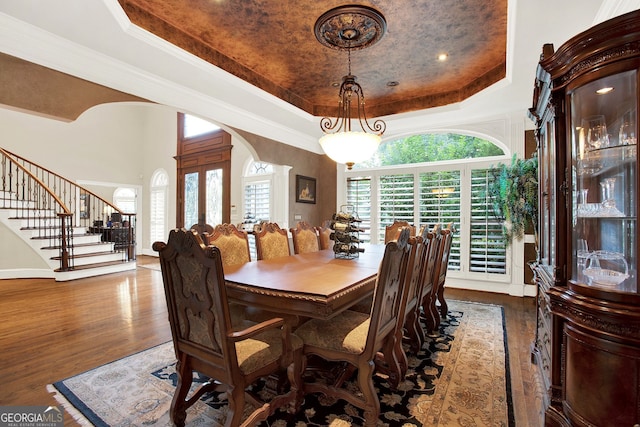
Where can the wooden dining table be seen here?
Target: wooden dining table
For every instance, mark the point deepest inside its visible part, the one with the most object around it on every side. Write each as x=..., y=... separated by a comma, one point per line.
x=316, y=284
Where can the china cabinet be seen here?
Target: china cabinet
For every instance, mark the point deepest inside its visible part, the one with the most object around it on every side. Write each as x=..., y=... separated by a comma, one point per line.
x=587, y=343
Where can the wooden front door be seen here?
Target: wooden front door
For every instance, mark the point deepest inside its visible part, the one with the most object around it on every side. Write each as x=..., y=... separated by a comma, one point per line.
x=204, y=169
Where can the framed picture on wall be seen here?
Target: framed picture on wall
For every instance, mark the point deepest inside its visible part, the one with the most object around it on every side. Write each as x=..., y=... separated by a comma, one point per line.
x=305, y=189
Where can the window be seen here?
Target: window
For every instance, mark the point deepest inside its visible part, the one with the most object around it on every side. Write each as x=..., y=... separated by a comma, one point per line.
x=437, y=192
x=440, y=204
x=359, y=196
x=396, y=201
x=157, y=226
x=194, y=126
x=125, y=199
x=487, y=251
x=257, y=197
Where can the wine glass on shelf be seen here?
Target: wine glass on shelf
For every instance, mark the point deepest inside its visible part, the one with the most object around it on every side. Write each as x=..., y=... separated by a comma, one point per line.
x=582, y=254
x=597, y=136
x=627, y=134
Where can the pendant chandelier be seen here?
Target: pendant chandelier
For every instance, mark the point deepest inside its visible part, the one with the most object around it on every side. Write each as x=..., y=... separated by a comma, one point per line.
x=350, y=28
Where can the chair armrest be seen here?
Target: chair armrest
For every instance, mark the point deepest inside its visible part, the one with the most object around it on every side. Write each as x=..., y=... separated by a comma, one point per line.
x=276, y=322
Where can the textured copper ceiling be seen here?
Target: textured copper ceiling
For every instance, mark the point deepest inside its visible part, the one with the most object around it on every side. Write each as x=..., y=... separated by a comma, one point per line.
x=271, y=44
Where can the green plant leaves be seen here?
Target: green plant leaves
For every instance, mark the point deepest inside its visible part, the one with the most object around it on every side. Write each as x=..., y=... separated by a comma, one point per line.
x=514, y=196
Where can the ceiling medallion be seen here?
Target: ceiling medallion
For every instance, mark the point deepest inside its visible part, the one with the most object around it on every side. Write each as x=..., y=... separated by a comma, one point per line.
x=350, y=27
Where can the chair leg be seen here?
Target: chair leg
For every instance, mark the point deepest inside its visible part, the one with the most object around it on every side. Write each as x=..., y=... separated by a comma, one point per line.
x=444, y=308
x=179, y=404
x=415, y=333
x=235, y=397
x=371, y=402
x=430, y=313
x=393, y=361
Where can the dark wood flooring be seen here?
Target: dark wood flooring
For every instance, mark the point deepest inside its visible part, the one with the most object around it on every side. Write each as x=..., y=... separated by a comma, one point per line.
x=53, y=330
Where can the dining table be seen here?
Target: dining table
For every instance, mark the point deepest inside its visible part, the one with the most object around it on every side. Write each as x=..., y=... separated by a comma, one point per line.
x=313, y=285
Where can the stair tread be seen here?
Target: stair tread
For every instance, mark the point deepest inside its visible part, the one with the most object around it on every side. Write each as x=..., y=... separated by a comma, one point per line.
x=87, y=255
x=57, y=236
x=78, y=245
x=30, y=217
x=98, y=264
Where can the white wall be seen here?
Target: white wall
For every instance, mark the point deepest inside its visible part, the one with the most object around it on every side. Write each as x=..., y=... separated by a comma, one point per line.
x=108, y=146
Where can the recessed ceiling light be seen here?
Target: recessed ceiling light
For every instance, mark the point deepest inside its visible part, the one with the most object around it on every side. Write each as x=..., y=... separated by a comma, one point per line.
x=604, y=90
x=443, y=57
x=392, y=83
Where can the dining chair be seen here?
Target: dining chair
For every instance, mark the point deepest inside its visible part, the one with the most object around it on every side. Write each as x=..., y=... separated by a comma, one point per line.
x=324, y=231
x=408, y=302
x=442, y=273
x=391, y=232
x=416, y=334
x=272, y=242
x=356, y=338
x=430, y=298
x=233, y=244
x=418, y=267
x=206, y=342
x=305, y=238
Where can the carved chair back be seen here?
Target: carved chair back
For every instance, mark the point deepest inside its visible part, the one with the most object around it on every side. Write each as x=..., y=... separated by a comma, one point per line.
x=233, y=244
x=323, y=233
x=305, y=238
x=391, y=232
x=272, y=242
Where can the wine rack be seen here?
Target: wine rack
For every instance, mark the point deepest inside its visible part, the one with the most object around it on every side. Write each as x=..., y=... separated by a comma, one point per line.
x=346, y=233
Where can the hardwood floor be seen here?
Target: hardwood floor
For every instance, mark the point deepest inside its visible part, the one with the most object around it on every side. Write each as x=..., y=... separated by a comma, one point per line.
x=53, y=330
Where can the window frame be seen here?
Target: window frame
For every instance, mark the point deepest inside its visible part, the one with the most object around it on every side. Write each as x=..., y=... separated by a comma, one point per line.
x=465, y=166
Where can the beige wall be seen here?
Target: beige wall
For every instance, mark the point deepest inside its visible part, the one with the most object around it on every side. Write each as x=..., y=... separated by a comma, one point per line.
x=303, y=163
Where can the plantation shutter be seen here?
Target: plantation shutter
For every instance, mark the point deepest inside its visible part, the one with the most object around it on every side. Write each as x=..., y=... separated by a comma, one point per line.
x=157, y=216
x=359, y=196
x=440, y=204
x=256, y=202
x=396, y=200
x=488, y=250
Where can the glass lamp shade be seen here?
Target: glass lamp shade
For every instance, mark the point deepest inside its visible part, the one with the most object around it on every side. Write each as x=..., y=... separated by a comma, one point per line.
x=350, y=147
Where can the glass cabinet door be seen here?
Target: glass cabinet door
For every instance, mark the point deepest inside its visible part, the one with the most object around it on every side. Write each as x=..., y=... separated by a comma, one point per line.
x=604, y=128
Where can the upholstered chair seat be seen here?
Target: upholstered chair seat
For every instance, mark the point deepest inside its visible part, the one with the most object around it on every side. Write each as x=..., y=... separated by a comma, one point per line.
x=346, y=333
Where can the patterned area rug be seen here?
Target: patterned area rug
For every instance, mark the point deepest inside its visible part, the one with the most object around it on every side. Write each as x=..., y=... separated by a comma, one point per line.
x=459, y=378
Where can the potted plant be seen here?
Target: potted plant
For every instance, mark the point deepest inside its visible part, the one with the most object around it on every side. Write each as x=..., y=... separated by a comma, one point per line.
x=514, y=196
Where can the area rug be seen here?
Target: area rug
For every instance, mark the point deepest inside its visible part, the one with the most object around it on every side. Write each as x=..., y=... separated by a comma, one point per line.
x=459, y=378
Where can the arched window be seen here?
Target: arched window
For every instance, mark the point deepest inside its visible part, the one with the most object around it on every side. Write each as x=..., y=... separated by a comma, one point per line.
x=430, y=179
x=158, y=215
x=125, y=199
x=257, y=192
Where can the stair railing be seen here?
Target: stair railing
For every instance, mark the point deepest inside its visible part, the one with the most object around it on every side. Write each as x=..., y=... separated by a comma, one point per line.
x=54, y=208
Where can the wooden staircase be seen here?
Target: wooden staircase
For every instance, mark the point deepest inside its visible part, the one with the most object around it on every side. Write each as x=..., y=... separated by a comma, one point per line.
x=59, y=228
